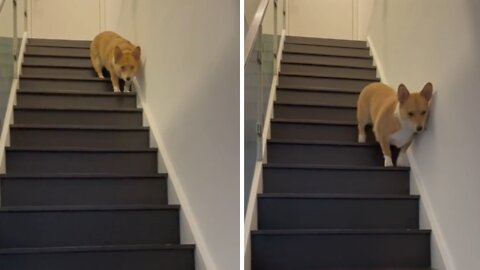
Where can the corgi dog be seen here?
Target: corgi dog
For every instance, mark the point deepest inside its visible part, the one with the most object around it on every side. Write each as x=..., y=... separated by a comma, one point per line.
x=120, y=57
x=396, y=117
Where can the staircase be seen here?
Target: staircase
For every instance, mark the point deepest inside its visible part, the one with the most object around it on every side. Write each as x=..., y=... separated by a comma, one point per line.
x=328, y=202
x=81, y=189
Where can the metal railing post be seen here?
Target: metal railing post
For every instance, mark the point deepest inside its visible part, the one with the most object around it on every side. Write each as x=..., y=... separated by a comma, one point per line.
x=15, y=40
x=260, y=95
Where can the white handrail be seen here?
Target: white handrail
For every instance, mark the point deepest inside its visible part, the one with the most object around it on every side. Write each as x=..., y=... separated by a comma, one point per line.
x=254, y=27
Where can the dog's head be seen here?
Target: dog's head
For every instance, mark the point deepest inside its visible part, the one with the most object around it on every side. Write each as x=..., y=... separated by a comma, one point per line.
x=126, y=63
x=414, y=107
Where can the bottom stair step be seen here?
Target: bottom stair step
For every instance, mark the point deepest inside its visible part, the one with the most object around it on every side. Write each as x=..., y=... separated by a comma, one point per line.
x=337, y=249
x=141, y=257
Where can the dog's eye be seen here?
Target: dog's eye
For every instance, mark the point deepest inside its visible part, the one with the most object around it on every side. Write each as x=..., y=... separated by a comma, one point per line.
x=410, y=114
x=123, y=68
x=424, y=112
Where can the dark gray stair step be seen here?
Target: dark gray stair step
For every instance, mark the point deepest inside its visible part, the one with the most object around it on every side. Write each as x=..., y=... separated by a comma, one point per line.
x=337, y=211
x=45, y=82
x=334, y=61
x=29, y=70
x=303, y=82
x=326, y=50
x=74, y=116
x=316, y=97
x=327, y=71
x=55, y=61
x=81, y=160
x=294, y=178
x=325, y=153
x=59, y=226
x=57, y=51
x=76, y=99
x=83, y=189
x=78, y=136
x=314, y=112
x=58, y=43
x=331, y=249
x=125, y=257
x=327, y=42
x=317, y=130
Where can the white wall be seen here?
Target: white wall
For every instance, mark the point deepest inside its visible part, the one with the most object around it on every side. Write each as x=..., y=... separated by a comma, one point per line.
x=250, y=7
x=191, y=79
x=439, y=41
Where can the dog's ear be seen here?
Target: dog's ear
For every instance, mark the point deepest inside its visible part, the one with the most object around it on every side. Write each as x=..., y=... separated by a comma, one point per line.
x=402, y=93
x=136, y=53
x=118, y=54
x=427, y=91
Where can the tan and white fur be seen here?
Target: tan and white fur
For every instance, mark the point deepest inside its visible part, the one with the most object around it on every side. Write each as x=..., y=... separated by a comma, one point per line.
x=396, y=117
x=119, y=56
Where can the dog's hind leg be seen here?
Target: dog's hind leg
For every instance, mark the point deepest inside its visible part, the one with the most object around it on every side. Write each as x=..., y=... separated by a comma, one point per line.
x=362, y=121
x=96, y=63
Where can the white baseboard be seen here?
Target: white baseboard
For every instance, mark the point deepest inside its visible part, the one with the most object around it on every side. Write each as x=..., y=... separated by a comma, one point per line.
x=376, y=60
x=8, y=118
x=417, y=180
x=250, y=222
x=203, y=255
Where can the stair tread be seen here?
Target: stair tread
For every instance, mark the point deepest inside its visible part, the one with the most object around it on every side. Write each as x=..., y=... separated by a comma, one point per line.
x=78, y=127
x=292, y=74
x=347, y=43
x=339, y=196
x=78, y=149
x=325, y=64
x=66, y=43
x=319, y=89
x=74, y=92
x=305, y=104
x=333, y=167
x=78, y=109
x=72, y=208
x=315, y=142
x=340, y=231
x=77, y=176
x=96, y=248
x=315, y=122
x=57, y=77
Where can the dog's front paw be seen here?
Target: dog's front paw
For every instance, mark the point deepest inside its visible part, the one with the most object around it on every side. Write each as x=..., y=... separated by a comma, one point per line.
x=362, y=138
x=116, y=89
x=388, y=161
x=402, y=160
x=126, y=89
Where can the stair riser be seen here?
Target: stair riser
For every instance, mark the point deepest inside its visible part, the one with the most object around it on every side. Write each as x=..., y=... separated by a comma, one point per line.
x=88, y=228
x=79, y=138
x=326, y=60
x=88, y=118
x=314, y=213
x=311, y=70
x=113, y=260
x=326, y=42
x=337, y=251
x=329, y=181
x=57, y=51
x=59, y=43
x=325, y=154
x=314, y=112
x=326, y=50
x=57, y=61
x=53, y=71
x=300, y=81
x=50, y=84
x=95, y=191
x=76, y=101
x=317, y=97
x=317, y=132
x=81, y=162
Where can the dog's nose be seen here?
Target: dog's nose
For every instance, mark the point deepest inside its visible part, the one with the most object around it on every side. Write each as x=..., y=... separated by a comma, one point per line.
x=419, y=128
x=128, y=78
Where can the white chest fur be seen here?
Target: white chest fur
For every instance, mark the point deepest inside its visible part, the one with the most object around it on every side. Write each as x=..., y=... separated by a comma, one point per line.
x=401, y=137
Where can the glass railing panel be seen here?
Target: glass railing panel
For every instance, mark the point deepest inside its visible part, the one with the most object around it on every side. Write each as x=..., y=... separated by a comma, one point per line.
x=6, y=56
